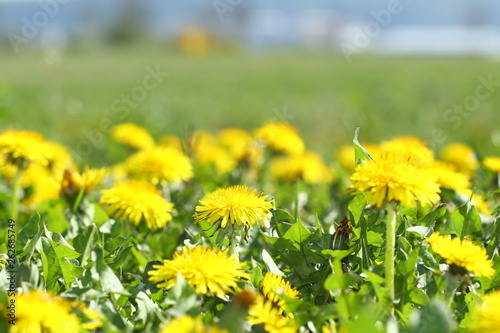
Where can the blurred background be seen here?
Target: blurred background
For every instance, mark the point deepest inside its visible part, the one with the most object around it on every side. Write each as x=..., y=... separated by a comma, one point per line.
x=70, y=69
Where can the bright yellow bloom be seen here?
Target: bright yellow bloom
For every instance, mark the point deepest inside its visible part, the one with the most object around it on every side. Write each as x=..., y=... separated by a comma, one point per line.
x=346, y=157
x=133, y=136
x=40, y=312
x=281, y=137
x=238, y=141
x=308, y=166
x=265, y=313
x=447, y=177
x=44, y=184
x=187, y=324
x=462, y=156
x=73, y=182
x=58, y=157
x=411, y=148
x=171, y=141
x=492, y=163
x=94, y=317
x=137, y=201
x=272, y=286
x=22, y=148
x=463, y=254
x=208, y=270
x=160, y=165
x=208, y=151
x=390, y=178
x=238, y=205
x=485, y=316
x=194, y=41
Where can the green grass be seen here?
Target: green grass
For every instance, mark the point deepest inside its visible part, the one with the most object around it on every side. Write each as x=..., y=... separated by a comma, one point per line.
x=327, y=97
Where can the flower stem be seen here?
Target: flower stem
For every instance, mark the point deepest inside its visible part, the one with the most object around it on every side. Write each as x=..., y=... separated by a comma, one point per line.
x=389, y=251
x=14, y=208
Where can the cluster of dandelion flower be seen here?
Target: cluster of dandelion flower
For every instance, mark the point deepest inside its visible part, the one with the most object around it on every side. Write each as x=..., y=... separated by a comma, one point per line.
x=207, y=270
x=234, y=210
x=137, y=201
x=188, y=324
x=463, y=256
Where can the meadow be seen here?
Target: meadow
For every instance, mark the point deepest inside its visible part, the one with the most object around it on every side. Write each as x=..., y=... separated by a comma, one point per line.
x=284, y=192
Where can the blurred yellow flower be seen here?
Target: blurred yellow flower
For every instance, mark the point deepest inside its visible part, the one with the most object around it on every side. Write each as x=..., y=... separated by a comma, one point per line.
x=136, y=201
x=38, y=311
x=273, y=286
x=58, y=157
x=462, y=254
x=207, y=150
x=448, y=177
x=73, y=182
x=411, y=148
x=44, y=184
x=237, y=204
x=462, y=156
x=485, y=316
x=194, y=41
x=207, y=270
x=132, y=135
x=266, y=314
x=188, y=324
x=281, y=137
x=171, y=141
x=390, y=178
x=308, y=166
x=22, y=148
x=492, y=163
x=346, y=157
x=238, y=142
x=160, y=165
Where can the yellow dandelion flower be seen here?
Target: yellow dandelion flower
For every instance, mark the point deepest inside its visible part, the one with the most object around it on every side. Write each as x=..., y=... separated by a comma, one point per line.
x=171, y=141
x=281, y=137
x=485, y=316
x=492, y=163
x=412, y=148
x=22, y=148
x=58, y=157
x=133, y=136
x=207, y=270
x=187, y=324
x=265, y=313
x=38, y=311
x=393, y=179
x=447, y=177
x=237, y=204
x=238, y=141
x=94, y=318
x=73, y=182
x=346, y=158
x=137, y=201
x=44, y=185
x=272, y=286
x=160, y=165
x=207, y=150
x=460, y=155
x=308, y=166
x=463, y=254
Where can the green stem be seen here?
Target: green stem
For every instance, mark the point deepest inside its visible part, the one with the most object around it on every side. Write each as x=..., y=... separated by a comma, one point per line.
x=389, y=251
x=14, y=208
x=234, y=249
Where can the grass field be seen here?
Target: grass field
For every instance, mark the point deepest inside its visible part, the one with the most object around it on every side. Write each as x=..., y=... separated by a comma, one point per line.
x=326, y=97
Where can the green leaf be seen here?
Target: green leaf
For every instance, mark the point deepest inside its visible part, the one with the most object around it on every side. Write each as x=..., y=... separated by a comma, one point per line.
x=100, y=216
x=463, y=221
x=108, y=280
x=57, y=262
x=407, y=266
x=29, y=237
x=85, y=242
x=434, y=318
x=297, y=232
x=360, y=153
x=434, y=215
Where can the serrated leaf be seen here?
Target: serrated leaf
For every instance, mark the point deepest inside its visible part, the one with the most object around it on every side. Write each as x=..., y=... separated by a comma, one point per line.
x=463, y=221
x=85, y=242
x=360, y=153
